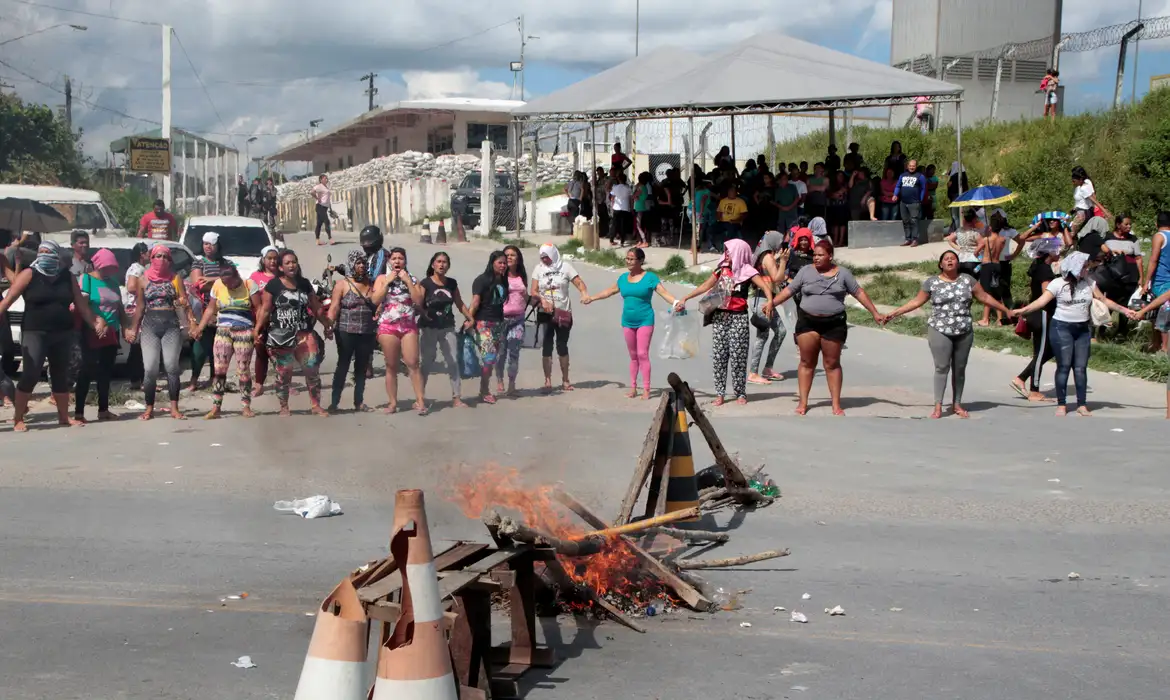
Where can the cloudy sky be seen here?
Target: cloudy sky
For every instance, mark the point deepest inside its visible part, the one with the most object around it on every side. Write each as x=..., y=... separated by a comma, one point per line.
x=269, y=66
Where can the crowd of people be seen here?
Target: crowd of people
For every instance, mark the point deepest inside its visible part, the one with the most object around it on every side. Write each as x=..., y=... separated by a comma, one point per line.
x=730, y=203
x=257, y=200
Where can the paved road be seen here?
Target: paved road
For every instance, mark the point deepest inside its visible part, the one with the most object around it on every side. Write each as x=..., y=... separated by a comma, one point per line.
x=118, y=541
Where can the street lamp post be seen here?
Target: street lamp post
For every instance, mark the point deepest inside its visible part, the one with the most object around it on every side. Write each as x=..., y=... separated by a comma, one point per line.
x=75, y=27
x=247, y=155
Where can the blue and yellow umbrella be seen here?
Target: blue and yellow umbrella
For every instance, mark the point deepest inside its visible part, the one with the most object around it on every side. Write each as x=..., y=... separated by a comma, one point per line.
x=984, y=196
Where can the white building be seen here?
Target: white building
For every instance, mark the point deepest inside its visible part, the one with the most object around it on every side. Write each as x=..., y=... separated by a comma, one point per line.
x=451, y=125
x=930, y=35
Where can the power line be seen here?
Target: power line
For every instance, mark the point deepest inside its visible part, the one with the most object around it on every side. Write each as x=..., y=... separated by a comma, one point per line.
x=436, y=47
x=87, y=14
x=199, y=79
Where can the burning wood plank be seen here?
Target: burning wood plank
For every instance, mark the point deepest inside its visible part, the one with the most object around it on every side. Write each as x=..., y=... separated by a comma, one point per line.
x=520, y=532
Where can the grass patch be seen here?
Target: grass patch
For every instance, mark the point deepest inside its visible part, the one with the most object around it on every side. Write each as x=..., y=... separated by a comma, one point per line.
x=548, y=189
x=1125, y=358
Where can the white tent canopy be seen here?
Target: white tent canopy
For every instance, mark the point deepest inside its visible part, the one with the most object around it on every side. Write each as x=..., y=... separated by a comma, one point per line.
x=614, y=87
x=764, y=74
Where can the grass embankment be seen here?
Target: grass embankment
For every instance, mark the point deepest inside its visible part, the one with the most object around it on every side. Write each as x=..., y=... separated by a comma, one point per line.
x=1125, y=151
x=891, y=287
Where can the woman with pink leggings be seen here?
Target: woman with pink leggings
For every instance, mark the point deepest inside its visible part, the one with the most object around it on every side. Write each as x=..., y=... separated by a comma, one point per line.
x=637, y=287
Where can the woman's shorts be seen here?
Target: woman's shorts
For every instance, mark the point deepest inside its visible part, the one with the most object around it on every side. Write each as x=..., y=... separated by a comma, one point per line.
x=399, y=329
x=834, y=328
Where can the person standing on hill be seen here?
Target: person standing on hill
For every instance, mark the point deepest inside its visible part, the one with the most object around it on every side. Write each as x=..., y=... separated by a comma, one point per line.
x=909, y=193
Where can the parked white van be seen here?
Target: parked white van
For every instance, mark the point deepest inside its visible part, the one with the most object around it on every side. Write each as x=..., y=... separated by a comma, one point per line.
x=83, y=208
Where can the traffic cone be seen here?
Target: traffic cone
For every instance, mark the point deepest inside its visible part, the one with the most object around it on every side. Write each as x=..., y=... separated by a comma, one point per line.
x=682, y=488
x=425, y=235
x=335, y=667
x=441, y=236
x=414, y=663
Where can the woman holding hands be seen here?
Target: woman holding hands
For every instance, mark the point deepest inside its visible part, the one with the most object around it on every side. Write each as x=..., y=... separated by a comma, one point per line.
x=400, y=297
x=950, y=333
x=637, y=287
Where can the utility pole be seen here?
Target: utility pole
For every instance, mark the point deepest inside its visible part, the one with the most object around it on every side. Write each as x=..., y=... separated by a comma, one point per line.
x=523, y=66
x=1137, y=45
x=69, y=104
x=371, y=90
x=166, y=105
x=637, y=24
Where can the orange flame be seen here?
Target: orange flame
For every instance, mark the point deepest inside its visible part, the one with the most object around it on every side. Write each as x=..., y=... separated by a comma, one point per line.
x=615, y=569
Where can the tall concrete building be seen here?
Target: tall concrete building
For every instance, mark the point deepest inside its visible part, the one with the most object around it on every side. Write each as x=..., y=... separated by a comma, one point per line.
x=935, y=36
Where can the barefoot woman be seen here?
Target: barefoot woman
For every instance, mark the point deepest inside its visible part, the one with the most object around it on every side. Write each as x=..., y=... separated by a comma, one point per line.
x=821, y=327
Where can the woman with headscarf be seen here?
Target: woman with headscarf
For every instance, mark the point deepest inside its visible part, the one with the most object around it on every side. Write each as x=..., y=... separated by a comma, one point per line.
x=399, y=295
x=355, y=328
x=233, y=303
x=1071, y=333
x=266, y=273
x=821, y=324
x=489, y=293
x=156, y=321
x=514, y=310
x=771, y=260
x=551, y=280
x=47, y=331
x=98, y=354
x=135, y=279
x=289, y=308
x=637, y=287
x=949, y=334
x=731, y=334
x=437, y=324
x=1045, y=254
x=205, y=270
x=819, y=229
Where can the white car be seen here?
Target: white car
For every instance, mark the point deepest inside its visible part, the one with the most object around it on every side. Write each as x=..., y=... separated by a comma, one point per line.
x=240, y=239
x=121, y=248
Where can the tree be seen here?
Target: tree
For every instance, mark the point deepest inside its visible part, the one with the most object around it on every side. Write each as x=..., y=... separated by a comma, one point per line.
x=36, y=148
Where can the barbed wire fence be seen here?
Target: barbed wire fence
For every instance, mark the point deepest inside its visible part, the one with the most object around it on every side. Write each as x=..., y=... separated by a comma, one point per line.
x=993, y=61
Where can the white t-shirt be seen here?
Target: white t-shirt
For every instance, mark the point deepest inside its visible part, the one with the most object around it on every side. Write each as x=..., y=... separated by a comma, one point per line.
x=801, y=188
x=553, y=285
x=1081, y=195
x=1072, y=307
x=621, y=197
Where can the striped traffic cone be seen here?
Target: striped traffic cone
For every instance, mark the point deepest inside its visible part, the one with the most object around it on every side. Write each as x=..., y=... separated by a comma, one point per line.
x=414, y=663
x=335, y=667
x=682, y=488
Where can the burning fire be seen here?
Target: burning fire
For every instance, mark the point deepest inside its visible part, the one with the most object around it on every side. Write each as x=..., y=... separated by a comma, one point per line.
x=614, y=570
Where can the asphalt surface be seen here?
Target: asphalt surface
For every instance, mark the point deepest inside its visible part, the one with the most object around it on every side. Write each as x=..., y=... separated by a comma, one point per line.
x=948, y=543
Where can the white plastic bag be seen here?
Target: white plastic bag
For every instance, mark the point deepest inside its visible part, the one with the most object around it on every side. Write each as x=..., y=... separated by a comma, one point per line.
x=680, y=339
x=309, y=508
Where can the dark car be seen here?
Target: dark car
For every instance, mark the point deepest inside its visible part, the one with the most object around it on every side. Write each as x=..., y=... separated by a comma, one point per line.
x=466, y=205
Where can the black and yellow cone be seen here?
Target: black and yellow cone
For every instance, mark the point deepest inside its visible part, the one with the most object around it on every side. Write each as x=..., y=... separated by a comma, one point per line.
x=682, y=488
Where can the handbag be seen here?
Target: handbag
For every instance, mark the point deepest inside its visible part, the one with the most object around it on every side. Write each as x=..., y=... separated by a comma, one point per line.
x=563, y=318
x=716, y=298
x=1022, y=328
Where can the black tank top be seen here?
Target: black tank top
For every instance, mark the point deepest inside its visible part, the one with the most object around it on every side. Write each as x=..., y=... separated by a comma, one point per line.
x=46, y=303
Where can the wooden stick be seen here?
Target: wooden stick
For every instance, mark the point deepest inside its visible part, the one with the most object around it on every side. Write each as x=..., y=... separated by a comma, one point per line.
x=646, y=524
x=687, y=565
x=704, y=535
x=645, y=461
x=689, y=592
x=731, y=471
x=745, y=496
x=520, y=532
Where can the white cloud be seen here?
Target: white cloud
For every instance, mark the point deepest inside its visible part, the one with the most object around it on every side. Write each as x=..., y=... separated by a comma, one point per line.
x=879, y=22
x=422, y=85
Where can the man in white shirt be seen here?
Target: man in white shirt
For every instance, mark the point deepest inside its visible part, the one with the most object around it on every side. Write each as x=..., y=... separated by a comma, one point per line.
x=620, y=201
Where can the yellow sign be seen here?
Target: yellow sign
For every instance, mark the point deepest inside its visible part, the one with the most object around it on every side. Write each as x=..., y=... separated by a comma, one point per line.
x=150, y=155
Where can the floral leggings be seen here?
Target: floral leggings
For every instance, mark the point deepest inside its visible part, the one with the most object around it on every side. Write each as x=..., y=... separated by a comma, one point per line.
x=731, y=339
x=306, y=353
x=512, y=341
x=237, y=343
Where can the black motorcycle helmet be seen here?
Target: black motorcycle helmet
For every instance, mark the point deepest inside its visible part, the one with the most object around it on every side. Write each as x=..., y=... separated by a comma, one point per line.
x=371, y=238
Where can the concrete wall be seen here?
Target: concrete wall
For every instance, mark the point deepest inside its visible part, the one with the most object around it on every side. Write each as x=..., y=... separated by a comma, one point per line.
x=884, y=234
x=914, y=29
x=401, y=138
x=392, y=206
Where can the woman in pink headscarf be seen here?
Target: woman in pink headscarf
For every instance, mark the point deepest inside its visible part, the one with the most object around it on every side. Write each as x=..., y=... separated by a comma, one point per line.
x=102, y=288
x=724, y=304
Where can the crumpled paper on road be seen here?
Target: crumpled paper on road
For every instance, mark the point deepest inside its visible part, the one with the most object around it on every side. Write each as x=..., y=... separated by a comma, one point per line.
x=309, y=508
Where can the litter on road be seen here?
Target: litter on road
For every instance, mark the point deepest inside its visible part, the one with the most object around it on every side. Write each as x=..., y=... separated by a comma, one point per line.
x=806, y=596
x=313, y=507
x=745, y=624
x=835, y=611
x=1074, y=576
x=244, y=662
x=798, y=617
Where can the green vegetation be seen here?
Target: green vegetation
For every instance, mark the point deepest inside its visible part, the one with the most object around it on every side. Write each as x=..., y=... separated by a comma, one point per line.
x=1126, y=152
x=128, y=205
x=35, y=146
x=505, y=240
x=548, y=189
